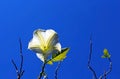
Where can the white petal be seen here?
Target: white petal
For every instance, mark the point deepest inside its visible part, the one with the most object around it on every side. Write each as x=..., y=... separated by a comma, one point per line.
x=44, y=34
x=40, y=56
x=49, y=34
x=34, y=44
x=38, y=42
x=58, y=47
x=52, y=37
x=39, y=35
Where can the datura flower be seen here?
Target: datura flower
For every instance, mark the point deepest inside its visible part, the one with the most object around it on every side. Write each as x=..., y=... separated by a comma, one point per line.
x=44, y=43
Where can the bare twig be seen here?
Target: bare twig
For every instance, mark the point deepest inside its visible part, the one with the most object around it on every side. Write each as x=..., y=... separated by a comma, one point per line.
x=108, y=71
x=89, y=60
x=21, y=55
x=42, y=73
x=56, y=70
x=21, y=65
x=104, y=75
x=20, y=71
x=17, y=71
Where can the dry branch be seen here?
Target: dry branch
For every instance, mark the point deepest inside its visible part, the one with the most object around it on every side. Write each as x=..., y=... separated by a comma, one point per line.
x=89, y=60
x=19, y=71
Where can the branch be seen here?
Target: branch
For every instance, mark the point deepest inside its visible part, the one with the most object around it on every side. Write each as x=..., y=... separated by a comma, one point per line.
x=105, y=75
x=89, y=60
x=56, y=70
x=19, y=71
x=108, y=71
x=21, y=65
x=42, y=73
x=110, y=66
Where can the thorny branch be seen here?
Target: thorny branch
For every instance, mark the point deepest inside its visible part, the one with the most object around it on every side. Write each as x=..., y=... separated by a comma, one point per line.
x=89, y=60
x=19, y=71
x=56, y=70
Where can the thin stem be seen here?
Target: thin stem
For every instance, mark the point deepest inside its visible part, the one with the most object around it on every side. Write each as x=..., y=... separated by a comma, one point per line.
x=21, y=64
x=108, y=71
x=110, y=66
x=105, y=75
x=89, y=60
x=20, y=71
x=42, y=72
x=56, y=70
x=17, y=71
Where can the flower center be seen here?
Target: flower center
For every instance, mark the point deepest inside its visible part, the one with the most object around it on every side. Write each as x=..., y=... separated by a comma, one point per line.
x=45, y=48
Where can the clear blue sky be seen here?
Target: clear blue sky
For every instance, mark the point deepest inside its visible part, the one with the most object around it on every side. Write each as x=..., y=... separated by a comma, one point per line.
x=74, y=20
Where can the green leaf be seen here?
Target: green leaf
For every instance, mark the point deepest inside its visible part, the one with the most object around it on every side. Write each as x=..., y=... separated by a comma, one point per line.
x=50, y=62
x=59, y=56
x=106, y=54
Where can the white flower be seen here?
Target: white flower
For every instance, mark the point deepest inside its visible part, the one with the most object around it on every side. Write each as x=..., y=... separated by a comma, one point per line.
x=44, y=42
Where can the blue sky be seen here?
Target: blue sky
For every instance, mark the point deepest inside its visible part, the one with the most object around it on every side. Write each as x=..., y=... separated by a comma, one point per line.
x=74, y=21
